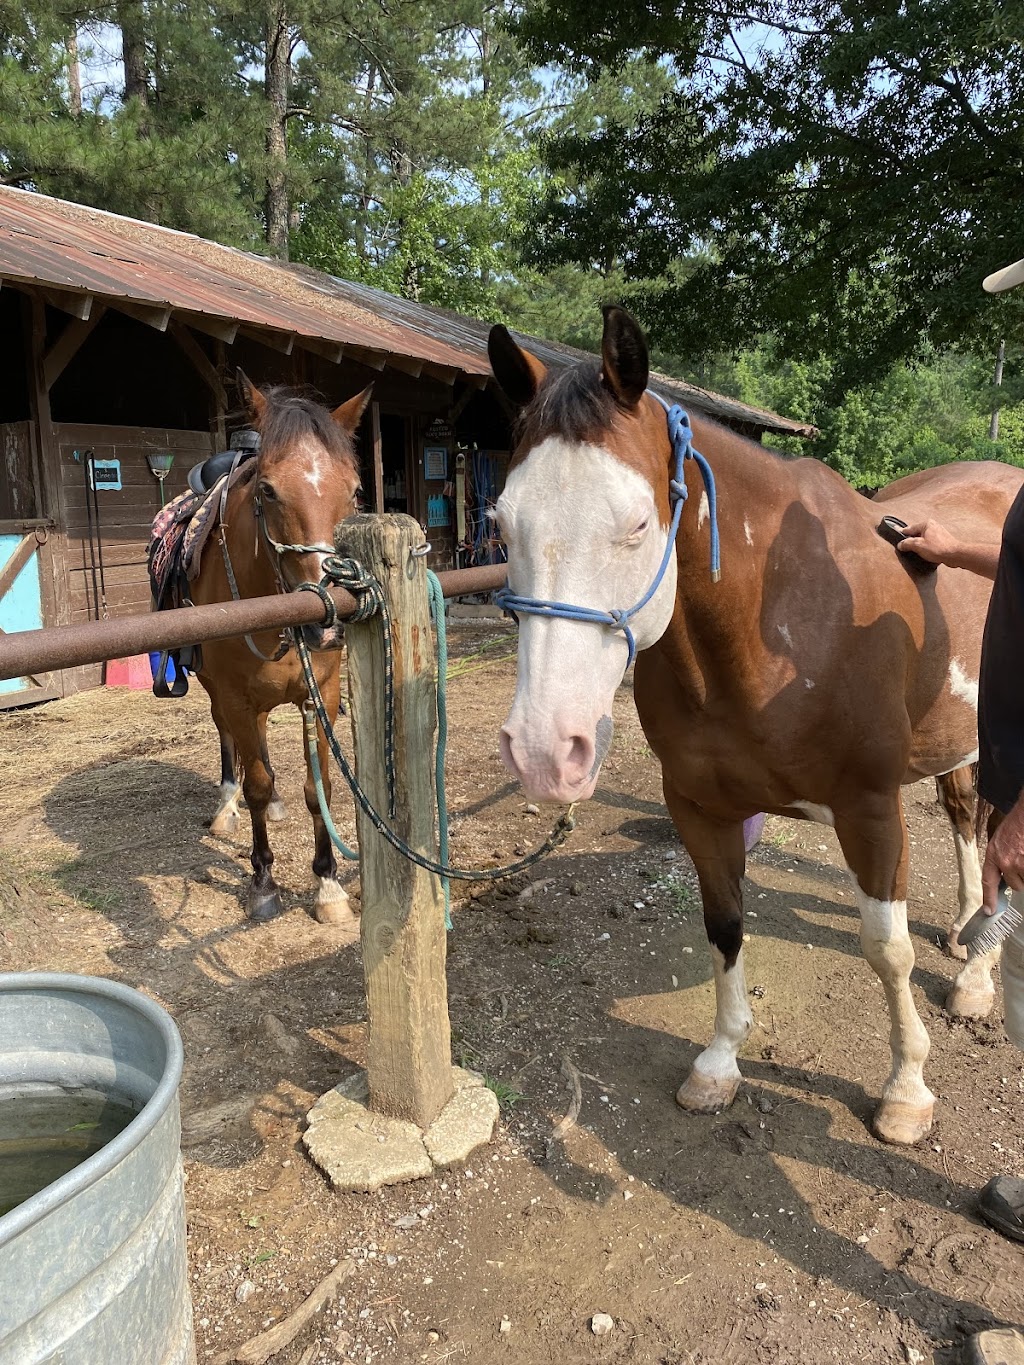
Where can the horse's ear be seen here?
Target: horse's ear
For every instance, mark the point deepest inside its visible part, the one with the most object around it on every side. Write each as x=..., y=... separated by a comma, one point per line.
x=349, y=413
x=519, y=373
x=250, y=395
x=625, y=366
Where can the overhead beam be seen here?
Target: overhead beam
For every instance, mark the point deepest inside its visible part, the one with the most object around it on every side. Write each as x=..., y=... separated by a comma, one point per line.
x=154, y=315
x=201, y=363
x=78, y=305
x=373, y=360
x=277, y=341
x=444, y=373
x=69, y=343
x=413, y=368
x=221, y=329
x=333, y=351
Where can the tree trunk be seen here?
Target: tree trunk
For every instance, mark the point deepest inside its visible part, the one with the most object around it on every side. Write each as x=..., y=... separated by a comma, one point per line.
x=74, y=72
x=132, y=22
x=362, y=217
x=277, y=73
x=993, y=426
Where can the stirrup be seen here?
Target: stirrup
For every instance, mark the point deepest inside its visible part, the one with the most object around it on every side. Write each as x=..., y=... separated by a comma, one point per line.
x=179, y=686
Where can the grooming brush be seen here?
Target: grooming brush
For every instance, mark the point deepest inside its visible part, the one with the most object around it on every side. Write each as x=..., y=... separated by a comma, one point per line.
x=893, y=530
x=983, y=933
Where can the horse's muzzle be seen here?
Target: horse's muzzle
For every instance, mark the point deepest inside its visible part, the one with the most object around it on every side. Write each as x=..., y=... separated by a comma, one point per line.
x=321, y=638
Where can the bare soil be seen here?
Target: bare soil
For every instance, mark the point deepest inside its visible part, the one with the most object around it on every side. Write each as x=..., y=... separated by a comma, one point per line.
x=779, y=1231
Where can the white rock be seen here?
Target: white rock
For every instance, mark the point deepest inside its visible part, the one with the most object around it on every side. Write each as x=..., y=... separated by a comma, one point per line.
x=601, y=1324
x=504, y=1325
x=245, y=1291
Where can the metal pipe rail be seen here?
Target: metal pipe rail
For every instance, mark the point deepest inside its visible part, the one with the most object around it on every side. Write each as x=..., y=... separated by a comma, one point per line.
x=31, y=652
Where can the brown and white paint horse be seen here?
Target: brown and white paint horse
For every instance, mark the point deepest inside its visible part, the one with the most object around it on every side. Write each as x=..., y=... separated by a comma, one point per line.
x=306, y=479
x=814, y=680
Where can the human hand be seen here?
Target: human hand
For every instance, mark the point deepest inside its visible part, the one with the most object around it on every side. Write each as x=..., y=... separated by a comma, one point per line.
x=932, y=542
x=1004, y=857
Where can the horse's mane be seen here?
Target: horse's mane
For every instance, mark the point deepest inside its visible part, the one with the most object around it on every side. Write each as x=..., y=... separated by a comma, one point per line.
x=290, y=415
x=573, y=404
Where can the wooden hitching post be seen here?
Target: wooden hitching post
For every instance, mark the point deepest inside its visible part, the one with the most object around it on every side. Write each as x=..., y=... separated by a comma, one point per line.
x=403, y=934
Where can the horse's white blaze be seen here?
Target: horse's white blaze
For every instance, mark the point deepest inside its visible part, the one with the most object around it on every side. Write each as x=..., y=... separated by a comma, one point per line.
x=570, y=515
x=961, y=685
x=821, y=815
x=733, y=1021
x=886, y=944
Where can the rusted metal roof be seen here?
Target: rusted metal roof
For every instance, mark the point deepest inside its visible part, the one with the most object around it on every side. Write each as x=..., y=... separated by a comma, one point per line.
x=86, y=251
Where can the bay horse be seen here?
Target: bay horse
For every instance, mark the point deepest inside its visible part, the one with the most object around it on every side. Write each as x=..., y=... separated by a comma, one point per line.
x=278, y=526
x=814, y=680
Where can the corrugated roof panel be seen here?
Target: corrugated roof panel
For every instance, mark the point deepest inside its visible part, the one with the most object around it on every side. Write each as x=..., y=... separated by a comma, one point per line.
x=71, y=247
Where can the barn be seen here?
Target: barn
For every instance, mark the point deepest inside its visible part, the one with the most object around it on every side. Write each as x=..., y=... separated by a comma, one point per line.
x=119, y=341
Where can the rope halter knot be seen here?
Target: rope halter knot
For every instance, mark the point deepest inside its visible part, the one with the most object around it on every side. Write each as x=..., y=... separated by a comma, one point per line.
x=618, y=618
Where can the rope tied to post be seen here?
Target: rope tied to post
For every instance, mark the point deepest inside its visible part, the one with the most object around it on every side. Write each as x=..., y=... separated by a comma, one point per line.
x=358, y=580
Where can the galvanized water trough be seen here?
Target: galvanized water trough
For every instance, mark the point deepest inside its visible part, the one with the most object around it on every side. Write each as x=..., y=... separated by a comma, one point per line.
x=92, y=1267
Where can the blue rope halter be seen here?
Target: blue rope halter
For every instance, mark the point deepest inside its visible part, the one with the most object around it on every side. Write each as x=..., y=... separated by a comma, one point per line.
x=681, y=436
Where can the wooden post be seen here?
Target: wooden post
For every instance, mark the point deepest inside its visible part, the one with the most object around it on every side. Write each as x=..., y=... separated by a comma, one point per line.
x=403, y=935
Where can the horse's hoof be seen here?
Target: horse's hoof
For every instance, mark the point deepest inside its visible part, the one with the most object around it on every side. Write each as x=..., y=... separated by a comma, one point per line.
x=261, y=906
x=224, y=823
x=277, y=811
x=970, y=1002
x=700, y=1094
x=900, y=1123
x=332, y=904
x=954, y=948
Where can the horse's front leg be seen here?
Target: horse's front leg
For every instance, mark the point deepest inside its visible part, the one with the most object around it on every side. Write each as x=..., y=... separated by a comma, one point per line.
x=332, y=904
x=973, y=992
x=718, y=854
x=225, y=817
x=263, y=899
x=873, y=836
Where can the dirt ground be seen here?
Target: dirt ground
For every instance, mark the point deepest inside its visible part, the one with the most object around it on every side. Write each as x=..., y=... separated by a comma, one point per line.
x=779, y=1231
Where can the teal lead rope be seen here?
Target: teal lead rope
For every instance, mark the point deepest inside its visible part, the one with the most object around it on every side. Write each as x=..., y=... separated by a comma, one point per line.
x=441, y=627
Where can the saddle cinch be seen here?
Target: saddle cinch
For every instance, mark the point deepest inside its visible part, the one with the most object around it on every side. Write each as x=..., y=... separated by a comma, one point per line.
x=176, y=542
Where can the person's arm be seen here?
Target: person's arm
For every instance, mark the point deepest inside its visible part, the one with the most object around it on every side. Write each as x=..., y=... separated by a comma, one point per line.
x=933, y=542
x=1004, y=857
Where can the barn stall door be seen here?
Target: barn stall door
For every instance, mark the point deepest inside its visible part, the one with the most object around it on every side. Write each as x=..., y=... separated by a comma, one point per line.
x=21, y=608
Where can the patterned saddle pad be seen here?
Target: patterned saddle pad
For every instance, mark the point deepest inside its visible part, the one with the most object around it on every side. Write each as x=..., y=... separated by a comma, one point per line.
x=178, y=536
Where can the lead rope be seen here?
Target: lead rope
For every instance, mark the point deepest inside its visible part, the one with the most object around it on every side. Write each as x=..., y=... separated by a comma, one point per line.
x=315, y=713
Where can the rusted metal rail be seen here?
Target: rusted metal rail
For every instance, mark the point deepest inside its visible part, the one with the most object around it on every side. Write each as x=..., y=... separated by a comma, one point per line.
x=32, y=652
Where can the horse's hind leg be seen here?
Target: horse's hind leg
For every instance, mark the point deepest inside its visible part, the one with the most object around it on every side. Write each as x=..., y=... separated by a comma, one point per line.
x=973, y=992
x=718, y=854
x=225, y=818
x=874, y=840
x=332, y=904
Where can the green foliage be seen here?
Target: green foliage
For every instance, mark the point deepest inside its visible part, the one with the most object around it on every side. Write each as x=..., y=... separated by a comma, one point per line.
x=841, y=177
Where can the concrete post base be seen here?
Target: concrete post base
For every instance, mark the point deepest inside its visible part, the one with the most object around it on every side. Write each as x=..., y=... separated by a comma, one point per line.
x=361, y=1151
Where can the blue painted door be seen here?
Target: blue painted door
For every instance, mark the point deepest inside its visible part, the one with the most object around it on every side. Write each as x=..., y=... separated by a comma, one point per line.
x=21, y=605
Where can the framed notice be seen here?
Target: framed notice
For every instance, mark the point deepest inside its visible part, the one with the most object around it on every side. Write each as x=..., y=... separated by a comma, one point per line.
x=435, y=462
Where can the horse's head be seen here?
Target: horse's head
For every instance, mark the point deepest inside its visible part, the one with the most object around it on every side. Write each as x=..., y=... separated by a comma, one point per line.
x=585, y=515
x=305, y=480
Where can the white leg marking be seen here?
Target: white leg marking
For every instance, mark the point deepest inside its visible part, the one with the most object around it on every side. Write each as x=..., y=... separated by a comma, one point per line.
x=886, y=945
x=332, y=904
x=226, y=815
x=733, y=1022
x=822, y=815
x=961, y=685
x=973, y=992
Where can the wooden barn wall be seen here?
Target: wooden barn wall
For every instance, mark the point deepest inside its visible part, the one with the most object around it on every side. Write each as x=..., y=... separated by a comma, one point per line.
x=125, y=516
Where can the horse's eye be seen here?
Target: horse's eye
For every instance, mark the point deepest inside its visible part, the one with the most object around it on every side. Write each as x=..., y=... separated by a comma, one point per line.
x=639, y=530
x=266, y=492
